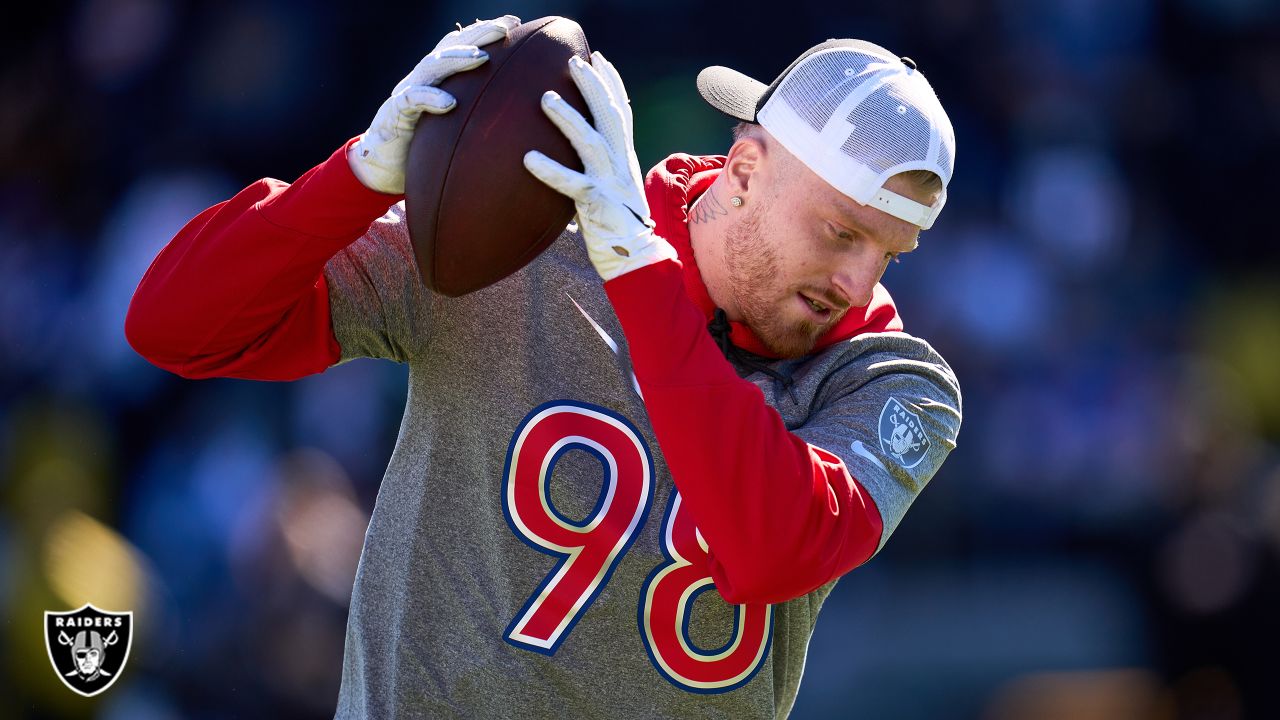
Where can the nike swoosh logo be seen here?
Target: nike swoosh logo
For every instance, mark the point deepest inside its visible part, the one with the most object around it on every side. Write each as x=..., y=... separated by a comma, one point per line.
x=637, y=215
x=862, y=450
x=608, y=340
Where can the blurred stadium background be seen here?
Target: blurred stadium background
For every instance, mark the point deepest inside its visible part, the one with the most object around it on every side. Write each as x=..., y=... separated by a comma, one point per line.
x=1104, y=544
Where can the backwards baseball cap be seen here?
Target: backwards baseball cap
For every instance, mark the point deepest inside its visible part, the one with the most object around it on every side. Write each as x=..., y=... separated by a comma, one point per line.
x=855, y=114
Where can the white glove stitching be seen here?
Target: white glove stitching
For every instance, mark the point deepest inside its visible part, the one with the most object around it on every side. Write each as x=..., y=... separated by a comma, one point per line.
x=613, y=213
x=378, y=158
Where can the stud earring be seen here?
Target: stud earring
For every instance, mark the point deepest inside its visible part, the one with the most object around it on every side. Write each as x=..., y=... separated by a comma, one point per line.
x=735, y=201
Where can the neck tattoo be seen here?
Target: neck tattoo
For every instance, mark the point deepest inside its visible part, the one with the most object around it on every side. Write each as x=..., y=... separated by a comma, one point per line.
x=706, y=209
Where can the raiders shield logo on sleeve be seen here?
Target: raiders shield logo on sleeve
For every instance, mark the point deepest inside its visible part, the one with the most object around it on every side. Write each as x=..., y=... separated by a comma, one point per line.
x=902, y=435
x=88, y=647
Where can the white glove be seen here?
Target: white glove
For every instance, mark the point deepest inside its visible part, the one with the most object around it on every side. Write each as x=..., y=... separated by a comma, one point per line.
x=378, y=158
x=609, y=194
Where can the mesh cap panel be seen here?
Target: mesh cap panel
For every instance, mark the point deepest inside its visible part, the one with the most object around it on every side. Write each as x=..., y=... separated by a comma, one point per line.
x=858, y=116
x=885, y=145
x=814, y=90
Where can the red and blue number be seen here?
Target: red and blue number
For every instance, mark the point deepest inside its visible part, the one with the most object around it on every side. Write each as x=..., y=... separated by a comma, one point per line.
x=666, y=606
x=589, y=550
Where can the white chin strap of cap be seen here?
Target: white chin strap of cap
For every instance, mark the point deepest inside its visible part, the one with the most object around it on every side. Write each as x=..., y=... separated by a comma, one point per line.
x=904, y=208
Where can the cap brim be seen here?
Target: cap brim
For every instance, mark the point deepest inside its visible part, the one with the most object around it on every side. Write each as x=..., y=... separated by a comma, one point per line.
x=731, y=92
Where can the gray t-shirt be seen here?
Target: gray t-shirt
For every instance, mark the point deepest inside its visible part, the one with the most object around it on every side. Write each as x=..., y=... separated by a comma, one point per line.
x=457, y=571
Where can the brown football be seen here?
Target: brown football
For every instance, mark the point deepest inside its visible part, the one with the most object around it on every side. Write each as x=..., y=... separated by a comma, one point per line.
x=475, y=214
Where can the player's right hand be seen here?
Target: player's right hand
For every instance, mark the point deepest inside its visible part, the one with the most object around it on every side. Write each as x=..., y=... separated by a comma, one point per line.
x=379, y=157
x=613, y=212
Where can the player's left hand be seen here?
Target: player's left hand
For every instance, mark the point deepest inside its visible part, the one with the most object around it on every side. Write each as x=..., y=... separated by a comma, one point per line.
x=613, y=214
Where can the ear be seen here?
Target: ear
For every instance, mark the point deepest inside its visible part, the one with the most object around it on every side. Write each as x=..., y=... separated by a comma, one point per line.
x=742, y=164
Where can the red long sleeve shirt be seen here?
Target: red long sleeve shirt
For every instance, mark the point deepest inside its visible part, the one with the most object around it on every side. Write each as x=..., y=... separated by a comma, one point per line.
x=240, y=292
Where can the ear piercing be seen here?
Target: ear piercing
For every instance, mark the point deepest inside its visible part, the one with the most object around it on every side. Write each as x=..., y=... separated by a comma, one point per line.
x=735, y=201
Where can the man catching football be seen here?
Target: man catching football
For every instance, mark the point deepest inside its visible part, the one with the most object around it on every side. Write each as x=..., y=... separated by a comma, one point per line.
x=628, y=475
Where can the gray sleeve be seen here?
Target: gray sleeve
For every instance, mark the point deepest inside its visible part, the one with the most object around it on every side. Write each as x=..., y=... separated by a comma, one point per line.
x=378, y=304
x=892, y=415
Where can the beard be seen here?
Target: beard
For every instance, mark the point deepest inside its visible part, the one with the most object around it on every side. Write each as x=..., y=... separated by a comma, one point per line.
x=759, y=291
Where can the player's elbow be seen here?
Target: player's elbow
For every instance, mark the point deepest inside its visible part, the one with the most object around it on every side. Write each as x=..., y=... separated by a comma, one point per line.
x=149, y=336
x=761, y=582
x=763, y=572
x=779, y=570
x=144, y=334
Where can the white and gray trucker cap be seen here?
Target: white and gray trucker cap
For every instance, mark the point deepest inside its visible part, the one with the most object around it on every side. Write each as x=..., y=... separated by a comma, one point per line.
x=855, y=114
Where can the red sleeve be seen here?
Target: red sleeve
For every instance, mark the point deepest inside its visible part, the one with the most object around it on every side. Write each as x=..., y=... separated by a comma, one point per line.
x=240, y=291
x=781, y=517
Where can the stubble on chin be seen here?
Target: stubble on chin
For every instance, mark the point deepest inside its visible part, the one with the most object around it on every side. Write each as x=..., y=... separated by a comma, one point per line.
x=759, y=292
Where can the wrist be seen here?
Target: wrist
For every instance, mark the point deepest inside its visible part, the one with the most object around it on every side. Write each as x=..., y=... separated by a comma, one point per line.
x=655, y=251
x=643, y=250
x=328, y=201
x=362, y=161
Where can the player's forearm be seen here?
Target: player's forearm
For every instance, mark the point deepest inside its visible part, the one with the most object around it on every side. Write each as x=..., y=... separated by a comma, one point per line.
x=240, y=292
x=780, y=517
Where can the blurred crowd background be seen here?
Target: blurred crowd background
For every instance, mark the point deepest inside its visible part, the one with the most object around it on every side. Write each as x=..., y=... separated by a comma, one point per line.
x=1104, y=543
